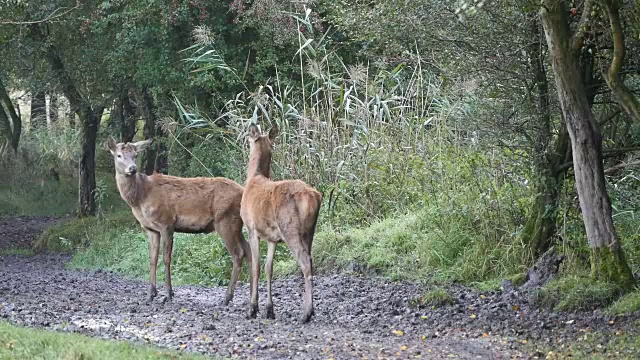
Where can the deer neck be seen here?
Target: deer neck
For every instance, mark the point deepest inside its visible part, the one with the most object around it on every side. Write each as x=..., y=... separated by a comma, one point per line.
x=133, y=189
x=259, y=163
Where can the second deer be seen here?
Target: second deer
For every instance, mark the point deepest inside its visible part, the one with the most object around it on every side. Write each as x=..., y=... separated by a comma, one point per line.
x=277, y=211
x=165, y=204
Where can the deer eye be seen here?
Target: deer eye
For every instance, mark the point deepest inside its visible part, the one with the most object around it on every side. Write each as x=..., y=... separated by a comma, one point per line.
x=119, y=156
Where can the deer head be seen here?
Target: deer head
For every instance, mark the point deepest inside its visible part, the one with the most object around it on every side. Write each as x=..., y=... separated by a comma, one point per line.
x=260, y=158
x=124, y=155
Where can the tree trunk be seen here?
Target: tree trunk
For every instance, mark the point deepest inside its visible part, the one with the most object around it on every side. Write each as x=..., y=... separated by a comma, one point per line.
x=53, y=109
x=540, y=226
x=5, y=129
x=38, y=117
x=14, y=124
x=154, y=159
x=608, y=261
x=89, y=121
x=87, y=166
x=128, y=126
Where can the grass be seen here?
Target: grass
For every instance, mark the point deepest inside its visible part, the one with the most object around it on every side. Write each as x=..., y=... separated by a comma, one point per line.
x=629, y=303
x=22, y=343
x=420, y=246
x=16, y=251
x=47, y=197
x=435, y=297
x=576, y=293
x=597, y=345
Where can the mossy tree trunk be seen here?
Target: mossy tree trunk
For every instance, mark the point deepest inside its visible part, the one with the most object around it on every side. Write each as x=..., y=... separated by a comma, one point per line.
x=12, y=123
x=608, y=261
x=540, y=226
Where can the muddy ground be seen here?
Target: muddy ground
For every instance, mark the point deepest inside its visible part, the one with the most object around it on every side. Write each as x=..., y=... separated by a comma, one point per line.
x=355, y=316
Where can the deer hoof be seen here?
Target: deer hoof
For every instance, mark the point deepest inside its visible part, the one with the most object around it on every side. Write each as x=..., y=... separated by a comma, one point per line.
x=306, y=317
x=227, y=300
x=167, y=300
x=253, y=311
x=152, y=294
x=270, y=313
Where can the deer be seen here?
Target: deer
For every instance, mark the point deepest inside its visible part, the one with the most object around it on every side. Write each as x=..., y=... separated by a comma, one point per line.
x=277, y=211
x=164, y=204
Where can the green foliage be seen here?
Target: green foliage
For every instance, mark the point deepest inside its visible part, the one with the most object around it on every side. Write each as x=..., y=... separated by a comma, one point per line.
x=627, y=304
x=23, y=343
x=435, y=297
x=576, y=293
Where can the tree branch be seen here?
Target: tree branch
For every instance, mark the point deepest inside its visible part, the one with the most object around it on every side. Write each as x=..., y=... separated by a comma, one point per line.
x=54, y=15
x=606, y=153
x=625, y=97
x=621, y=166
x=583, y=26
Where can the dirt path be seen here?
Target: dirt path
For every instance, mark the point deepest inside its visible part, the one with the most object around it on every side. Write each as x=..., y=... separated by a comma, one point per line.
x=355, y=317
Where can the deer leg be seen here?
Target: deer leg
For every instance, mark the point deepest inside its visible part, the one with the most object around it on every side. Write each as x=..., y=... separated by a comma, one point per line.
x=232, y=236
x=254, y=244
x=153, y=239
x=167, y=241
x=303, y=257
x=268, y=269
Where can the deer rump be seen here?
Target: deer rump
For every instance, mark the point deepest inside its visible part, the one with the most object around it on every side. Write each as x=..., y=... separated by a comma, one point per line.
x=280, y=208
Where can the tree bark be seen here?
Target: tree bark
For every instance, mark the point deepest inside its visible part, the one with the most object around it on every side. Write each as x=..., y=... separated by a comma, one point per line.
x=53, y=108
x=540, y=226
x=607, y=261
x=87, y=165
x=38, y=117
x=154, y=159
x=128, y=126
x=13, y=126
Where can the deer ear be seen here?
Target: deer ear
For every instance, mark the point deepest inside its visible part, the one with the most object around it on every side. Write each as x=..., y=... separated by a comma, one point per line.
x=111, y=145
x=253, y=132
x=273, y=133
x=141, y=145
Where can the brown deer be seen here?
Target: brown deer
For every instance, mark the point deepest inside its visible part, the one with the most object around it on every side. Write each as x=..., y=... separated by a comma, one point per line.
x=165, y=204
x=277, y=211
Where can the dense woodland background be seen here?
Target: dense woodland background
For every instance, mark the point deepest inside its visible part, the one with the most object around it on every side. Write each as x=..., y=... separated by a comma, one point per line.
x=435, y=129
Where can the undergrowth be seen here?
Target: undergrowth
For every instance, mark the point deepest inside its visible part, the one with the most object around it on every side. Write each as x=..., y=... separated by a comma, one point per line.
x=22, y=343
x=576, y=293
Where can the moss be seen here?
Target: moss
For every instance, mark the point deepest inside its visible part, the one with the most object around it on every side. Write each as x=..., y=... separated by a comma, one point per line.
x=611, y=266
x=576, y=293
x=518, y=279
x=435, y=297
x=627, y=304
x=488, y=285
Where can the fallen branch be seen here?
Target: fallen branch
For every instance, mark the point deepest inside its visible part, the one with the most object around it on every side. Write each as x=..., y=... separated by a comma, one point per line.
x=621, y=166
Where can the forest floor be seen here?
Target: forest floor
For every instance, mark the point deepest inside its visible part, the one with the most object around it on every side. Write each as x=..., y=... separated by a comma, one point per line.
x=355, y=316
